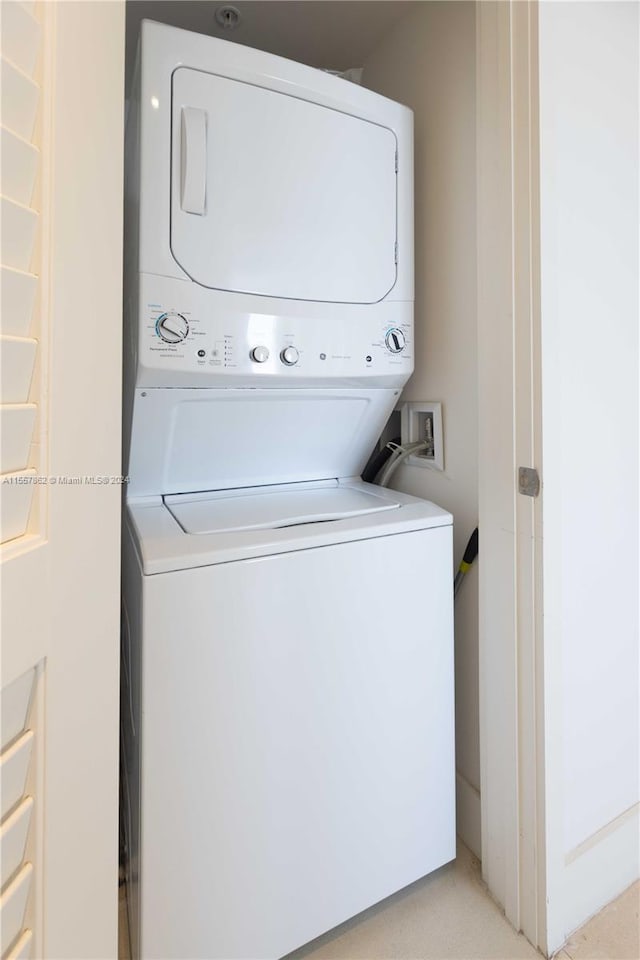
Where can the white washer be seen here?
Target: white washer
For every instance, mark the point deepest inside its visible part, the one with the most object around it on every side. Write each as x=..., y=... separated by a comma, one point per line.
x=289, y=732
x=288, y=749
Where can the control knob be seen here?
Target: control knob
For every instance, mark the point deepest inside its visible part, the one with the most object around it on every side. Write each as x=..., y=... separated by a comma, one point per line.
x=260, y=354
x=172, y=327
x=395, y=340
x=290, y=356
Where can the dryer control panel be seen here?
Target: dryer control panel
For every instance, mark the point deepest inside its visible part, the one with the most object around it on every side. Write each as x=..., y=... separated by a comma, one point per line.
x=193, y=337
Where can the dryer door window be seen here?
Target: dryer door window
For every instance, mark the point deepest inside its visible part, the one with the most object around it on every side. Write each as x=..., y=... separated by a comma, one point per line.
x=276, y=196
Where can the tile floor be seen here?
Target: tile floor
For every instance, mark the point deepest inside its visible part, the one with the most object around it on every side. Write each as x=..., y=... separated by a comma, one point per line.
x=613, y=934
x=450, y=915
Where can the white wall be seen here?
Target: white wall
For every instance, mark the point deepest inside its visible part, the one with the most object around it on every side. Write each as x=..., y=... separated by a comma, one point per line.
x=428, y=62
x=589, y=272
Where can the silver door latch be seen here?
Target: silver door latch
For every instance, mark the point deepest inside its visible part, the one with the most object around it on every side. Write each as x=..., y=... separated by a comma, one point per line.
x=528, y=481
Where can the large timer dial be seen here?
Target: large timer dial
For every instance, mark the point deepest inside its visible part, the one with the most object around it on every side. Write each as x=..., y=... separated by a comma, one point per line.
x=172, y=327
x=395, y=340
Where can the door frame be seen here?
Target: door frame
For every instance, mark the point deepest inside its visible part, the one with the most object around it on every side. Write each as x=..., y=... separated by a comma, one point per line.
x=509, y=416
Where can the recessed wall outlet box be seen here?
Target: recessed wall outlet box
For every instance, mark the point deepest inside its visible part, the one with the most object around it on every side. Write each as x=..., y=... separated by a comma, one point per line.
x=422, y=420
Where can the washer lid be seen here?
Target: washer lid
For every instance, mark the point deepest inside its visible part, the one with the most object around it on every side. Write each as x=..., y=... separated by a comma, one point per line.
x=233, y=511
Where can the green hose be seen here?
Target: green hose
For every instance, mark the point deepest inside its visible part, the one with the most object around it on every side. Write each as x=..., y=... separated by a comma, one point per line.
x=470, y=554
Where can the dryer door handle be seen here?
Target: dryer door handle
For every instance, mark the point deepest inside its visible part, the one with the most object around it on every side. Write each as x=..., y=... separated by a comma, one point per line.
x=193, y=160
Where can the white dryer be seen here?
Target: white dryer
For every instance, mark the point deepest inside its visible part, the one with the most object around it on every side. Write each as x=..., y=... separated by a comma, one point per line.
x=288, y=749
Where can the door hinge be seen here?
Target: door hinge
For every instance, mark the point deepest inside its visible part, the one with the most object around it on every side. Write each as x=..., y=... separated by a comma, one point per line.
x=528, y=481
x=395, y=252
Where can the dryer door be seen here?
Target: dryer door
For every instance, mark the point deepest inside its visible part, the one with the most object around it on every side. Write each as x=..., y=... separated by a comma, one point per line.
x=276, y=196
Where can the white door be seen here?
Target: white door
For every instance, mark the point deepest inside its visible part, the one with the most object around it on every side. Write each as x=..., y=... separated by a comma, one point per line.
x=62, y=136
x=243, y=215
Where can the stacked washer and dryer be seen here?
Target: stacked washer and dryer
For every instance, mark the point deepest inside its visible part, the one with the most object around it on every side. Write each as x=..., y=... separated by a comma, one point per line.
x=288, y=748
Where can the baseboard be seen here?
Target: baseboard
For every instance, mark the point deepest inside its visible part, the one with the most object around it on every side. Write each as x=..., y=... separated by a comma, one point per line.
x=468, y=815
x=597, y=872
